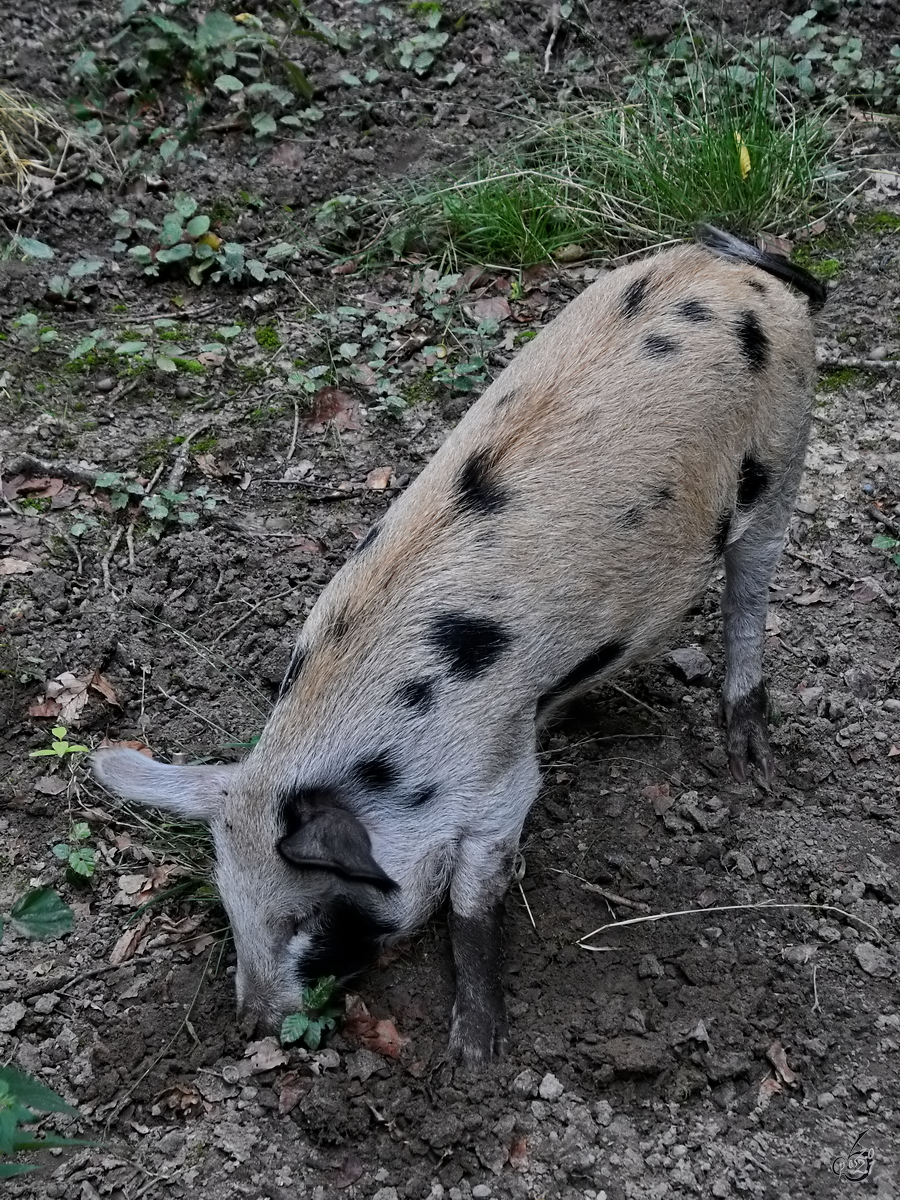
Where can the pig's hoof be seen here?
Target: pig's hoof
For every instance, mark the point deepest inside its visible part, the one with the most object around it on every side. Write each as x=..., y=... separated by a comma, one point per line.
x=747, y=736
x=478, y=1035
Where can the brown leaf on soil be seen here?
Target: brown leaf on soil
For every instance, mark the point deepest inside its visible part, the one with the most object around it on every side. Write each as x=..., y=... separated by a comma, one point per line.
x=15, y=566
x=22, y=485
x=489, y=308
x=265, y=1055
x=768, y=1088
x=347, y=268
x=518, y=1155
x=331, y=406
x=536, y=277
x=51, y=785
x=102, y=685
x=44, y=708
x=777, y=1057
x=380, y=1036
x=378, y=479
x=210, y=359
x=349, y=1171
x=894, y=751
x=108, y=743
x=809, y=597
x=658, y=795
x=127, y=944
x=294, y=1087
x=183, y=1098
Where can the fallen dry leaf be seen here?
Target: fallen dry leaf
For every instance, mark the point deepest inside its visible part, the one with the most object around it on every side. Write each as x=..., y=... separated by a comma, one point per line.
x=518, y=1155
x=658, y=795
x=127, y=944
x=50, y=785
x=107, y=743
x=331, y=406
x=265, y=1055
x=183, y=1098
x=767, y=1089
x=349, y=1171
x=15, y=566
x=380, y=1036
x=776, y=1056
x=494, y=308
x=894, y=751
x=209, y=359
x=44, y=708
x=294, y=1087
x=378, y=479
x=102, y=685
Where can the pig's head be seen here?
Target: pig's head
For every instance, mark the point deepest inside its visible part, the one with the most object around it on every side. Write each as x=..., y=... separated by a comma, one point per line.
x=296, y=874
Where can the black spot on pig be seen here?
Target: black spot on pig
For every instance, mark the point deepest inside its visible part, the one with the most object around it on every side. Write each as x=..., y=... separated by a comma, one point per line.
x=662, y=496
x=723, y=528
x=469, y=644
x=377, y=774
x=294, y=667
x=753, y=341
x=421, y=797
x=634, y=296
x=369, y=538
x=596, y=662
x=633, y=517
x=478, y=488
x=752, y=481
x=507, y=398
x=417, y=694
x=758, y=286
x=338, y=626
x=657, y=345
x=693, y=310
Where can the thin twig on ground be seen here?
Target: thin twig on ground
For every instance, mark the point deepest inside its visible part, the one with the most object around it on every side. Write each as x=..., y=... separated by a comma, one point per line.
x=702, y=912
x=181, y=458
x=249, y=613
x=877, y=515
x=107, y=557
x=58, y=983
x=27, y=464
x=863, y=364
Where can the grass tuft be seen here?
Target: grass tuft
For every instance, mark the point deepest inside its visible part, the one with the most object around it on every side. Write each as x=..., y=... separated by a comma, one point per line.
x=616, y=177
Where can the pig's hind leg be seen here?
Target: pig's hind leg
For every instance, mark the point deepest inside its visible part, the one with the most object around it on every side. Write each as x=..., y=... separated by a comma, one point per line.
x=766, y=497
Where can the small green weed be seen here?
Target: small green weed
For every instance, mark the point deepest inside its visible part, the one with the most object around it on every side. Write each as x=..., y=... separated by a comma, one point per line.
x=164, y=508
x=319, y=1014
x=65, y=287
x=29, y=331
x=59, y=747
x=185, y=244
x=80, y=860
x=883, y=541
x=835, y=380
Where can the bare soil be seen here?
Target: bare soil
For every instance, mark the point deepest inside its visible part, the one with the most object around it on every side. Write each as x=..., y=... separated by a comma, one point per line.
x=730, y=1051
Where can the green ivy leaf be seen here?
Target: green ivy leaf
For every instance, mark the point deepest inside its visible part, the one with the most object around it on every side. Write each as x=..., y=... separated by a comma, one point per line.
x=293, y=1027
x=228, y=83
x=197, y=226
x=41, y=914
x=32, y=248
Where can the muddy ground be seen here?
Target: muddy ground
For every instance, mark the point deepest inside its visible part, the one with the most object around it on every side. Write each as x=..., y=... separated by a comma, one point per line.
x=722, y=1053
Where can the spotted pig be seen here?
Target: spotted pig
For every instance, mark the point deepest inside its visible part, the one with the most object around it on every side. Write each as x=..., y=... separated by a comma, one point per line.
x=655, y=430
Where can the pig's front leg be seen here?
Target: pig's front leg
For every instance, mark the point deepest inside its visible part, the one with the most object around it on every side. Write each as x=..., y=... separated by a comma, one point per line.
x=478, y=1030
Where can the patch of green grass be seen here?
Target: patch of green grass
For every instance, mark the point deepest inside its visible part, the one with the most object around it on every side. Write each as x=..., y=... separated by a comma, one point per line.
x=267, y=337
x=838, y=379
x=204, y=445
x=741, y=156
x=881, y=222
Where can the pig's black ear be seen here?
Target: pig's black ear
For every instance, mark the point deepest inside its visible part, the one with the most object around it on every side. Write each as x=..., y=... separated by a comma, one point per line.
x=332, y=839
